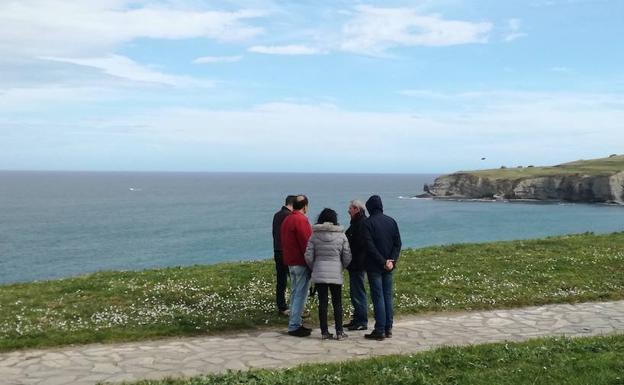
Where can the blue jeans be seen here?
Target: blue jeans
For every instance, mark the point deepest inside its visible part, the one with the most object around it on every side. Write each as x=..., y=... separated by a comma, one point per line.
x=300, y=284
x=358, y=298
x=381, y=295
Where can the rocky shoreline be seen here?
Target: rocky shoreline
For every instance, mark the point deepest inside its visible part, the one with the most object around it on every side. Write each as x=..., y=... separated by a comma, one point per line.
x=601, y=187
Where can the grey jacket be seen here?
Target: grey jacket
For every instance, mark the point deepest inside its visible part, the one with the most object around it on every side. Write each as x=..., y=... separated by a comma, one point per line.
x=327, y=253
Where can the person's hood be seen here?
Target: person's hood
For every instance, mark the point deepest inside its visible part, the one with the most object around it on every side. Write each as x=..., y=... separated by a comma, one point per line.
x=374, y=205
x=327, y=231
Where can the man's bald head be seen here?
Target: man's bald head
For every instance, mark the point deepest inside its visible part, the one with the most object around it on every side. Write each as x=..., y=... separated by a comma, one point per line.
x=301, y=203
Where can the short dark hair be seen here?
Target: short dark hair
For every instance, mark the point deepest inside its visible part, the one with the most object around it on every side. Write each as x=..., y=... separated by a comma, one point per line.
x=327, y=215
x=290, y=200
x=300, y=202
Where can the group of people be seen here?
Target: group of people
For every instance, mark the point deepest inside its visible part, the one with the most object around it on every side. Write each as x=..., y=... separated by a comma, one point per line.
x=319, y=253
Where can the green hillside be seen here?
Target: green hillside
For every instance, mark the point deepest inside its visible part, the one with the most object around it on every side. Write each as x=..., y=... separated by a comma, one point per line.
x=595, y=167
x=138, y=305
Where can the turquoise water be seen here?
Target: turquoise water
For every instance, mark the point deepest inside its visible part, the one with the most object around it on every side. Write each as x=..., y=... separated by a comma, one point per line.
x=56, y=224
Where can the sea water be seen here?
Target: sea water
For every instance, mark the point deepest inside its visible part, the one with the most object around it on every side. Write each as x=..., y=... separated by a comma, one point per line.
x=60, y=224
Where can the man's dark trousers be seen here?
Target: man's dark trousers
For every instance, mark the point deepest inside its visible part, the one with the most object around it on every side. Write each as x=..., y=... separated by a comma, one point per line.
x=281, y=271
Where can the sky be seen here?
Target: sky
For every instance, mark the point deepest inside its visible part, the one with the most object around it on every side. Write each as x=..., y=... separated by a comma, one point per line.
x=390, y=86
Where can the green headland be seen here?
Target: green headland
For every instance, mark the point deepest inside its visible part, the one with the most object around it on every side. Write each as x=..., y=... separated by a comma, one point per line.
x=591, y=181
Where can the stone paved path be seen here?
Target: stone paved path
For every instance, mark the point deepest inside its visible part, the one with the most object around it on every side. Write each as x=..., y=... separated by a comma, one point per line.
x=191, y=356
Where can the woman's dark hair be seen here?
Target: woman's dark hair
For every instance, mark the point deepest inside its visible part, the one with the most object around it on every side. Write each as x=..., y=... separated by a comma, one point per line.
x=327, y=215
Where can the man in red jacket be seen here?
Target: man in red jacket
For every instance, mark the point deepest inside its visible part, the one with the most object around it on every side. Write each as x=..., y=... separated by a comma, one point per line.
x=295, y=233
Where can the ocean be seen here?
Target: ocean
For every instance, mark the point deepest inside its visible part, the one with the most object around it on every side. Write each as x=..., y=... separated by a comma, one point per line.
x=61, y=224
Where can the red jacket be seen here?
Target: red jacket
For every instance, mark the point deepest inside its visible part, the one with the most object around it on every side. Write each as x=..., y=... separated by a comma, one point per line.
x=294, y=234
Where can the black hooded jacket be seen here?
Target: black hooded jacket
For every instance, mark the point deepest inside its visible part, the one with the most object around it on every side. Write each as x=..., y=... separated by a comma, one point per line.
x=382, y=236
x=357, y=243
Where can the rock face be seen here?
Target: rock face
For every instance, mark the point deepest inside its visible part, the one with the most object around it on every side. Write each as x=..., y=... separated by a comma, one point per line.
x=572, y=188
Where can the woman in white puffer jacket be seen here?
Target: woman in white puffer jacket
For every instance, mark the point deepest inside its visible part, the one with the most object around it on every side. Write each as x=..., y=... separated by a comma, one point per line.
x=327, y=254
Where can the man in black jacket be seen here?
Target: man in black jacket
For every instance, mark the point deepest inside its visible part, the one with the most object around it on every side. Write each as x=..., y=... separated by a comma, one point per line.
x=383, y=247
x=357, y=243
x=281, y=270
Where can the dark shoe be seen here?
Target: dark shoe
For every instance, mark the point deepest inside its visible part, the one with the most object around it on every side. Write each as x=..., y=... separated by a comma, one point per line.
x=305, y=328
x=327, y=336
x=341, y=336
x=348, y=324
x=388, y=334
x=285, y=312
x=375, y=335
x=356, y=327
x=301, y=332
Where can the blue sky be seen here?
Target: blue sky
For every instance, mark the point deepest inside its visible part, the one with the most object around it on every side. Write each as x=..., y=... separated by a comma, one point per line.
x=311, y=86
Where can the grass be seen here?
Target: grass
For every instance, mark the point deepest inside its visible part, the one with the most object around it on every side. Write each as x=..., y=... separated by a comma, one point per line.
x=583, y=361
x=126, y=306
x=594, y=167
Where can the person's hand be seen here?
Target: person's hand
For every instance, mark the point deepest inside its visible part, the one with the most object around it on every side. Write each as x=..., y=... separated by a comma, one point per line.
x=389, y=265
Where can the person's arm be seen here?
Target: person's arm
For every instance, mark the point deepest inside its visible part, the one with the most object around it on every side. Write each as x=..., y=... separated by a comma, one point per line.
x=303, y=233
x=349, y=234
x=283, y=233
x=309, y=254
x=345, y=254
x=371, y=249
x=396, y=244
x=276, y=232
x=360, y=239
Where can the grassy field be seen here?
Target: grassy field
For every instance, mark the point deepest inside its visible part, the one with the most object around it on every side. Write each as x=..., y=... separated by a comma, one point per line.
x=595, y=167
x=124, y=306
x=586, y=361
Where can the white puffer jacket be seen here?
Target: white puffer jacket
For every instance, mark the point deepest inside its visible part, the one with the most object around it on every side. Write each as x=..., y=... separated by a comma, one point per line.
x=328, y=253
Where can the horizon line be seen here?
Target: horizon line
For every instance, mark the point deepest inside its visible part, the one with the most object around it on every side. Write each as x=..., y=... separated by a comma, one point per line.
x=216, y=172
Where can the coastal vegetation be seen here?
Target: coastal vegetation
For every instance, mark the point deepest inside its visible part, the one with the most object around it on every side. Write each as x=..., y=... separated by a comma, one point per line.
x=595, y=360
x=594, y=167
x=124, y=306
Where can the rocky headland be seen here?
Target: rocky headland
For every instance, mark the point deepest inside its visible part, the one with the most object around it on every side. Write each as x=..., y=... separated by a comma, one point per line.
x=594, y=181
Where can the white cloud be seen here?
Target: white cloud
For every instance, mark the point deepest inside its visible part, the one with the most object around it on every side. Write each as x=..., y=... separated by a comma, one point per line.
x=125, y=68
x=513, y=32
x=292, y=49
x=465, y=95
x=373, y=30
x=427, y=94
x=556, y=3
x=504, y=117
x=53, y=37
x=37, y=99
x=217, y=59
x=94, y=28
x=503, y=125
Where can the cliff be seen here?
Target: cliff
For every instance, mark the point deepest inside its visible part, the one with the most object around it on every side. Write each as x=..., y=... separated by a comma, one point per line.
x=596, y=180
